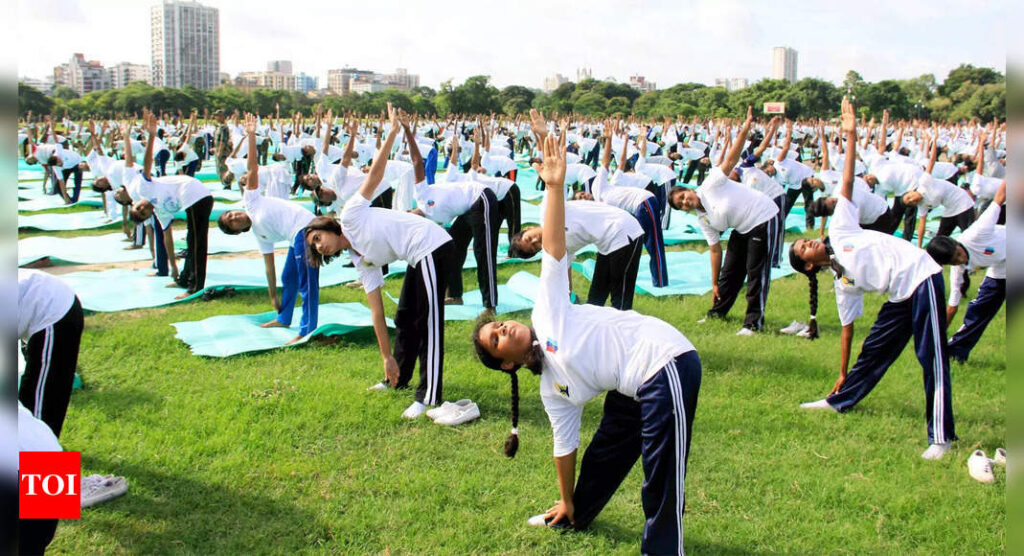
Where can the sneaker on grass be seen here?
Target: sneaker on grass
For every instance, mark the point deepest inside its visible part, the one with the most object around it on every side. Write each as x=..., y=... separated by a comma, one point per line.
x=382, y=385
x=793, y=327
x=414, y=410
x=459, y=414
x=97, y=489
x=980, y=467
x=446, y=408
x=936, y=451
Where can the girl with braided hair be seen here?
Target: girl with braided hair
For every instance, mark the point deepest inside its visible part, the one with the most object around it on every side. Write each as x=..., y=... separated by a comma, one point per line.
x=650, y=372
x=863, y=261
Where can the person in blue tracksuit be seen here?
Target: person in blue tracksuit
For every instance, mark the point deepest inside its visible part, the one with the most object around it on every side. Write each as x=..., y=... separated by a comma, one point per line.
x=864, y=261
x=272, y=220
x=982, y=245
x=649, y=370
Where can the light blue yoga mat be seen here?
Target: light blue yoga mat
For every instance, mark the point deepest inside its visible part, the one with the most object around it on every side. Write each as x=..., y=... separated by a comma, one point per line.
x=52, y=222
x=123, y=289
x=689, y=273
x=226, y=335
x=110, y=248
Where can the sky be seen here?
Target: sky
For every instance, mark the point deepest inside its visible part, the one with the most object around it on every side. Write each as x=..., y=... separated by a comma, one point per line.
x=521, y=42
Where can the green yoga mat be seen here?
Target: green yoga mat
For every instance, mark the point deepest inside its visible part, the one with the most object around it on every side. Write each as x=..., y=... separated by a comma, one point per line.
x=226, y=335
x=689, y=273
x=110, y=248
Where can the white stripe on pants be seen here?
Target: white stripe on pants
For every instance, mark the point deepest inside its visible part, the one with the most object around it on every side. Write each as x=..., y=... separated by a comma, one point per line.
x=680, y=422
x=433, y=367
x=939, y=390
x=44, y=371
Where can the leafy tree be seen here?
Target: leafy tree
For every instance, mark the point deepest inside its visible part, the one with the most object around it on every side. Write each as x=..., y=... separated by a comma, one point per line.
x=590, y=104
x=617, y=106
x=968, y=73
x=30, y=98
x=64, y=93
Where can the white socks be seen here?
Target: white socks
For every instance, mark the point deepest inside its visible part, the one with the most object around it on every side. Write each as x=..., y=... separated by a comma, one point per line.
x=820, y=404
x=936, y=451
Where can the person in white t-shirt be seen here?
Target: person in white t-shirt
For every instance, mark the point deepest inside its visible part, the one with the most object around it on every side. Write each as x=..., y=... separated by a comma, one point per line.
x=929, y=193
x=798, y=178
x=186, y=157
x=470, y=210
x=867, y=261
x=982, y=245
x=638, y=201
x=649, y=371
x=375, y=237
x=163, y=197
x=273, y=220
x=720, y=204
x=50, y=322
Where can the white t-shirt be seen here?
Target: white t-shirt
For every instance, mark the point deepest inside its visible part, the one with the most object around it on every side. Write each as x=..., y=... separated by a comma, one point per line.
x=589, y=350
x=728, y=204
x=895, y=177
x=985, y=243
x=984, y=187
x=755, y=178
x=443, y=202
x=499, y=186
x=106, y=167
x=578, y=173
x=872, y=262
x=869, y=205
x=274, y=220
x=941, y=193
x=657, y=173
x=43, y=299
x=831, y=179
x=34, y=435
x=608, y=228
x=381, y=236
x=791, y=173
x=628, y=199
x=170, y=194
x=276, y=181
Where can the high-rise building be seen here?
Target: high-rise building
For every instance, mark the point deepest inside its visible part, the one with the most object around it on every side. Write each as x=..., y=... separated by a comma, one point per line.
x=81, y=75
x=641, y=83
x=552, y=83
x=186, y=44
x=124, y=73
x=280, y=66
x=732, y=83
x=274, y=80
x=45, y=84
x=306, y=83
x=784, y=63
x=350, y=81
x=583, y=73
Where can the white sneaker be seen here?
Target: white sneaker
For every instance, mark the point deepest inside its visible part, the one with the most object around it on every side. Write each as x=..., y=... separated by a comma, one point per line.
x=980, y=467
x=794, y=327
x=936, y=451
x=805, y=332
x=702, y=321
x=446, y=408
x=414, y=410
x=537, y=521
x=745, y=332
x=97, y=489
x=382, y=385
x=820, y=404
x=459, y=415
x=1000, y=458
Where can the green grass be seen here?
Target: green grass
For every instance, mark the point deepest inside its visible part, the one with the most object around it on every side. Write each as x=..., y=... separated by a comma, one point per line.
x=286, y=452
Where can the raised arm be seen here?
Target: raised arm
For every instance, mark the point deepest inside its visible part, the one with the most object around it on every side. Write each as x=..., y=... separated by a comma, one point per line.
x=414, y=148
x=934, y=138
x=788, y=140
x=539, y=127
x=350, y=148
x=737, y=147
x=824, y=147
x=380, y=160
x=129, y=159
x=552, y=171
x=606, y=147
x=327, y=136
x=147, y=161
x=880, y=144
x=849, y=127
x=625, y=149
x=253, y=181
x=769, y=133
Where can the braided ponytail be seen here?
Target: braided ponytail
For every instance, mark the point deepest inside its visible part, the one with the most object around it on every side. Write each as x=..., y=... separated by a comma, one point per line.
x=812, y=325
x=512, y=442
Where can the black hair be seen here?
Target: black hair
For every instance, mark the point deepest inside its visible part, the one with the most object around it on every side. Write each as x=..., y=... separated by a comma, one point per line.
x=534, y=362
x=52, y=161
x=942, y=249
x=806, y=182
x=800, y=266
x=325, y=224
x=818, y=207
x=136, y=216
x=179, y=156
x=515, y=251
x=672, y=190
x=222, y=223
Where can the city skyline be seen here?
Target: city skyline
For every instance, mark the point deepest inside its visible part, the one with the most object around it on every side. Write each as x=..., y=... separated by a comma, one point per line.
x=251, y=37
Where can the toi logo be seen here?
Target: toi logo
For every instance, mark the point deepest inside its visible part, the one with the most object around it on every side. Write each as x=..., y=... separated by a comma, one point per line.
x=48, y=485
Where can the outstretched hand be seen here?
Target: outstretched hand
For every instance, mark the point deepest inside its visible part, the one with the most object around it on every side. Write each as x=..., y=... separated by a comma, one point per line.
x=849, y=119
x=552, y=167
x=250, y=124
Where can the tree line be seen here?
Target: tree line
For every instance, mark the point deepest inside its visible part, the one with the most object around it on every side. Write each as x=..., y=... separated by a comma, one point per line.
x=967, y=92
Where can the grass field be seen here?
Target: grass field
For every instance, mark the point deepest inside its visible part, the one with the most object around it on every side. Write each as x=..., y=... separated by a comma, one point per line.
x=285, y=451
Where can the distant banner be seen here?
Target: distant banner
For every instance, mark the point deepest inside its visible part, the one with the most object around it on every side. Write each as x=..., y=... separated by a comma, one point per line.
x=775, y=108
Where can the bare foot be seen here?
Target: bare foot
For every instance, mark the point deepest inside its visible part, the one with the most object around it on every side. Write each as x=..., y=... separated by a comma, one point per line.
x=183, y=296
x=174, y=285
x=132, y=247
x=453, y=301
x=293, y=340
x=273, y=324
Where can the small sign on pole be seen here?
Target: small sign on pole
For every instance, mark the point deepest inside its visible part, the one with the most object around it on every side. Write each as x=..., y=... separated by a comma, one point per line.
x=775, y=108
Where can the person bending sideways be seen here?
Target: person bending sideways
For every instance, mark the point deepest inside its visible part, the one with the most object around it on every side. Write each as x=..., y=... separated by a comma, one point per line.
x=272, y=220
x=375, y=237
x=649, y=371
x=868, y=261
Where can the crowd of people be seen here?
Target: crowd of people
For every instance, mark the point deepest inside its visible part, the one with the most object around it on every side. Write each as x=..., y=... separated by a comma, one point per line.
x=420, y=189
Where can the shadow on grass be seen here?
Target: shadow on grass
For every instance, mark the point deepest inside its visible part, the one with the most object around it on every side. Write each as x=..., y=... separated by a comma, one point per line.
x=164, y=511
